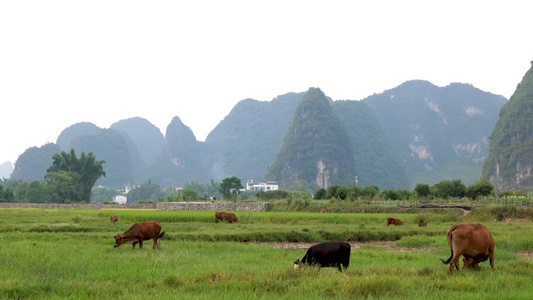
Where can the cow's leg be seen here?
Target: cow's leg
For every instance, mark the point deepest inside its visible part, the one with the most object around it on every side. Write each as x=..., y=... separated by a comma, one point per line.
x=157, y=243
x=134, y=243
x=339, y=266
x=454, y=263
x=141, y=243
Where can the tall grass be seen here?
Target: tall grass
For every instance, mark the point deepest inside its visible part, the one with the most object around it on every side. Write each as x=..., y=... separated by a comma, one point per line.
x=201, y=259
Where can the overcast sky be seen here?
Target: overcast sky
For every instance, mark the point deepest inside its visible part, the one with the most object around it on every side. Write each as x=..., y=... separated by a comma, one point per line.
x=64, y=62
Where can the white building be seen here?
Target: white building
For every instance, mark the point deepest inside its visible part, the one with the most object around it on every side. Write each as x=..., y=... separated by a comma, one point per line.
x=120, y=199
x=261, y=186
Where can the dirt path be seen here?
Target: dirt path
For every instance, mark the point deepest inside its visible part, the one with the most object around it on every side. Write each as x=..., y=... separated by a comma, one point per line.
x=391, y=246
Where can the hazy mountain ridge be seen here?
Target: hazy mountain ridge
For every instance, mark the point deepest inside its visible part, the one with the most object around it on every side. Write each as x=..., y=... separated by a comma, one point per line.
x=431, y=127
x=416, y=130
x=66, y=136
x=147, y=137
x=510, y=162
x=183, y=160
x=376, y=163
x=33, y=163
x=247, y=141
x=317, y=148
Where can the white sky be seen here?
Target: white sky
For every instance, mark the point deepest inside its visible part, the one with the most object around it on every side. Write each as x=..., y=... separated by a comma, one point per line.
x=64, y=62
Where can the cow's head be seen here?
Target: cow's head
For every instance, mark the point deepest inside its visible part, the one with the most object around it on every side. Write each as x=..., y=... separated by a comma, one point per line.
x=468, y=262
x=119, y=240
x=473, y=262
x=296, y=264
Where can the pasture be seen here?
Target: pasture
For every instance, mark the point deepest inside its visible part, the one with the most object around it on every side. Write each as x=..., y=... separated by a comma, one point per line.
x=69, y=254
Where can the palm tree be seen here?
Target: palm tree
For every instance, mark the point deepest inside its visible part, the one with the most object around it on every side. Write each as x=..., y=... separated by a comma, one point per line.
x=88, y=169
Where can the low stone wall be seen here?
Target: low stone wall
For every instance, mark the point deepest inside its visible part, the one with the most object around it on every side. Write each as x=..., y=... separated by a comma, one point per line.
x=202, y=206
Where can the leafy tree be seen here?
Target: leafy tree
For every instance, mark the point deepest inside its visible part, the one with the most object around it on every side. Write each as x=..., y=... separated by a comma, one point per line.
x=10, y=182
x=6, y=194
x=63, y=186
x=404, y=194
x=145, y=192
x=342, y=192
x=321, y=194
x=31, y=192
x=459, y=189
x=482, y=188
x=211, y=189
x=189, y=194
x=332, y=191
x=175, y=198
x=355, y=193
x=87, y=168
x=230, y=186
x=447, y=189
x=370, y=192
x=390, y=195
x=422, y=190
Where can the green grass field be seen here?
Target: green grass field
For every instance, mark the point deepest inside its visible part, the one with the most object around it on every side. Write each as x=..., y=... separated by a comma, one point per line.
x=69, y=254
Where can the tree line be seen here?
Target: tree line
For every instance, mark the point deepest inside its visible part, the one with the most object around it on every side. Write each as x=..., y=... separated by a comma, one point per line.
x=442, y=190
x=71, y=180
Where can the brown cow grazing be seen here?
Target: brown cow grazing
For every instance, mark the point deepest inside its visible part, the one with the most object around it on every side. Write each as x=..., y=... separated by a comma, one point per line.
x=113, y=219
x=140, y=232
x=394, y=221
x=474, y=242
x=423, y=224
x=224, y=216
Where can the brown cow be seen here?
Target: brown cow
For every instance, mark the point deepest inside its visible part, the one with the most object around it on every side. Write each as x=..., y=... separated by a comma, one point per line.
x=394, y=221
x=221, y=216
x=474, y=242
x=113, y=219
x=140, y=232
x=423, y=224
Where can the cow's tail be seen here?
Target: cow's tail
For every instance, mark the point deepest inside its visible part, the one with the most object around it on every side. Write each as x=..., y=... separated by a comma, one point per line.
x=451, y=248
x=161, y=235
x=448, y=260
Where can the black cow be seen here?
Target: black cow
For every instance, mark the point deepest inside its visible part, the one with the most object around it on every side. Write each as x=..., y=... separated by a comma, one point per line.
x=330, y=254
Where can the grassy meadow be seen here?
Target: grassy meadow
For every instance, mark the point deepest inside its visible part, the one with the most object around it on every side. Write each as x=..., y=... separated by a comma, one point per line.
x=69, y=254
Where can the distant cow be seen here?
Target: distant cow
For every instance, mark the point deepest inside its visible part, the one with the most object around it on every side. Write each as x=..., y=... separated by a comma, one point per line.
x=330, y=254
x=113, y=219
x=224, y=216
x=140, y=232
x=423, y=224
x=394, y=221
x=474, y=242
